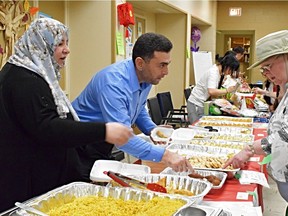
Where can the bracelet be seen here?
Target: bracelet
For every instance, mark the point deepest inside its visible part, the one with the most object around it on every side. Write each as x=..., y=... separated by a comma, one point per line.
x=250, y=149
x=251, y=146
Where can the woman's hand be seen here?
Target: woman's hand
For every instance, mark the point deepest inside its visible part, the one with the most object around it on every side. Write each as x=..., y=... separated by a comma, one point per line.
x=239, y=160
x=117, y=133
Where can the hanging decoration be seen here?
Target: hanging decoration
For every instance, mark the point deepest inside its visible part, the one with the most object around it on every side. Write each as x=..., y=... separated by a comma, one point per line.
x=195, y=37
x=125, y=16
x=14, y=16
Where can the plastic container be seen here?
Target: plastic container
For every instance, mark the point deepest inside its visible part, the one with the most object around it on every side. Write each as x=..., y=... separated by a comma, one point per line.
x=100, y=166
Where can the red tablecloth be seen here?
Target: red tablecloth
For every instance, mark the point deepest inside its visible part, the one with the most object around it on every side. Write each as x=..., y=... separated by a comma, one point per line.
x=232, y=186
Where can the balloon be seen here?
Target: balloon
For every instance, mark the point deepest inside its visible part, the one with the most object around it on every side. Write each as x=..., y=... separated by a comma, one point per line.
x=195, y=37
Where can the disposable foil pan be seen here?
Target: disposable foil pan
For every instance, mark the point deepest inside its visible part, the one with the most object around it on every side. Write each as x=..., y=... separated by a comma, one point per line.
x=227, y=118
x=221, y=175
x=224, y=124
x=64, y=194
x=195, y=149
x=246, y=138
x=219, y=144
x=198, y=187
x=190, y=151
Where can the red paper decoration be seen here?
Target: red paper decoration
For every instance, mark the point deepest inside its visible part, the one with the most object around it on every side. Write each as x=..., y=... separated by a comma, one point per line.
x=125, y=14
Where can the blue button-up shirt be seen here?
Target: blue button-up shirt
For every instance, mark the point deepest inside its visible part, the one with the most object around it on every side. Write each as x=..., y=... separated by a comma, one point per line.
x=115, y=95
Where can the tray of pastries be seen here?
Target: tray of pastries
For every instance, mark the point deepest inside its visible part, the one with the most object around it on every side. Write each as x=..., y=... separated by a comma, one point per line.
x=226, y=118
x=205, y=157
x=224, y=124
x=246, y=138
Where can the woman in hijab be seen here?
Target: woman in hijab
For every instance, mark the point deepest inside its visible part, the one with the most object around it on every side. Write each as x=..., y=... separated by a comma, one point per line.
x=39, y=128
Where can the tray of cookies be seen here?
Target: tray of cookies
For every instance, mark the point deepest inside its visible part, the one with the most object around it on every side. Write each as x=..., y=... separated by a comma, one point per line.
x=226, y=118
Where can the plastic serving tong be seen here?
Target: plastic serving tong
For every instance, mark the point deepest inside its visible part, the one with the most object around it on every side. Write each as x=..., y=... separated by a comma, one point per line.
x=128, y=182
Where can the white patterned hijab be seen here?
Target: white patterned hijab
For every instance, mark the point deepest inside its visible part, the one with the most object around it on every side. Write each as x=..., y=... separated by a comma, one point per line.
x=35, y=51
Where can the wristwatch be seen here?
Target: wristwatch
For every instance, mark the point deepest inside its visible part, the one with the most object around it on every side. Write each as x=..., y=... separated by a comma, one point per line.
x=266, y=146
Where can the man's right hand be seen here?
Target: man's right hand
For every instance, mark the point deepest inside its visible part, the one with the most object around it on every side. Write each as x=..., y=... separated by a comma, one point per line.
x=177, y=162
x=117, y=133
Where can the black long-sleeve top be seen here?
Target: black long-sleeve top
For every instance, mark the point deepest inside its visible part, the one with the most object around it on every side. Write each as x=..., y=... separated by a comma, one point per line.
x=37, y=148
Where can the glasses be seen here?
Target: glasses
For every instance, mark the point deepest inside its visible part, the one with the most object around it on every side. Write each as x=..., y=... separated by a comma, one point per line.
x=267, y=68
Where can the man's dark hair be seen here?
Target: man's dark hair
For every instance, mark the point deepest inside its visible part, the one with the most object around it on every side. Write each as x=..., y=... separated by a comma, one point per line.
x=238, y=49
x=148, y=43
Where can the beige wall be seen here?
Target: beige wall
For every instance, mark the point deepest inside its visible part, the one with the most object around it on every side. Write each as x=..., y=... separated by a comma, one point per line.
x=176, y=32
x=90, y=24
x=56, y=9
x=92, y=40
x=264, y=17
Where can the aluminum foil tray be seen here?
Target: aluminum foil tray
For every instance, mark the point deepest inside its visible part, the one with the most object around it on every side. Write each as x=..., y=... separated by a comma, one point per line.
x=247, y=138
x=224, y=124
x=210, y=152
x=221, y=175
x=190, y=149
x=233, y=130
x=236, y=146
x=227, y=118
x=65, y=193
x=197, y=186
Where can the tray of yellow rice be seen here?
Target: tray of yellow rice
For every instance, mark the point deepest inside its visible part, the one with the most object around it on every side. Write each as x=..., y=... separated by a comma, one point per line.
x=80, y=198
x=194, y=189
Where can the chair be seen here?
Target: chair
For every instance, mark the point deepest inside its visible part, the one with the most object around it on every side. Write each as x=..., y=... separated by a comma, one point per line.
x=168, y=110
x=156, y=116
x=187, y=92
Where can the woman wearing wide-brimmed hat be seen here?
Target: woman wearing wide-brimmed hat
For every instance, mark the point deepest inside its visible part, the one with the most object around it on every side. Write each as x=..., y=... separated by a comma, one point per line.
x=272, y=57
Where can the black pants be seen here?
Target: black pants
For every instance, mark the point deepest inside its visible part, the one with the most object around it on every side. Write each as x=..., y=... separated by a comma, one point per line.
x=89, y=154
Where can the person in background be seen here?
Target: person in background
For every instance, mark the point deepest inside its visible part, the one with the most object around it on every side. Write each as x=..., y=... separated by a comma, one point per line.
x=270, y=94
x=239, y=52
x=39, y=128
x=209, y=86
x=119, y=93
x=272, y=56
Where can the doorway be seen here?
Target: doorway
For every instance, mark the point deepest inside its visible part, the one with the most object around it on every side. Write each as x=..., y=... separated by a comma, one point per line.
x=227, y=40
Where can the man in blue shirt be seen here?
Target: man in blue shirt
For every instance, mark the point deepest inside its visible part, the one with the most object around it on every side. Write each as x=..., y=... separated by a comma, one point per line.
x=118, y=93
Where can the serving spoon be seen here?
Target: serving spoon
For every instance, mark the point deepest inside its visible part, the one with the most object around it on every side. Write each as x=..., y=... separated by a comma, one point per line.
x=29, y=209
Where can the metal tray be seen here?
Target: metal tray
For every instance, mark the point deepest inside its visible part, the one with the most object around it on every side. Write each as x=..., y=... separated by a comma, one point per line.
x=246, y=138
x=224, y=124
x=234, y=130
x=236, y=146
x=64, y=194
x=197, y=186
x=227, y=118
x=189, y=151
x=221, y=175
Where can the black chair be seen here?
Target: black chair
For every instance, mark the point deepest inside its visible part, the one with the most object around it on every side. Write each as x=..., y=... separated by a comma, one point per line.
x=156, y=116
x=187, y=92
x=168, y=110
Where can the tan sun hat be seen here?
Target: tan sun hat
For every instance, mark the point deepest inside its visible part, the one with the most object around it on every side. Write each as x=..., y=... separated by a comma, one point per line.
x=270, y=45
